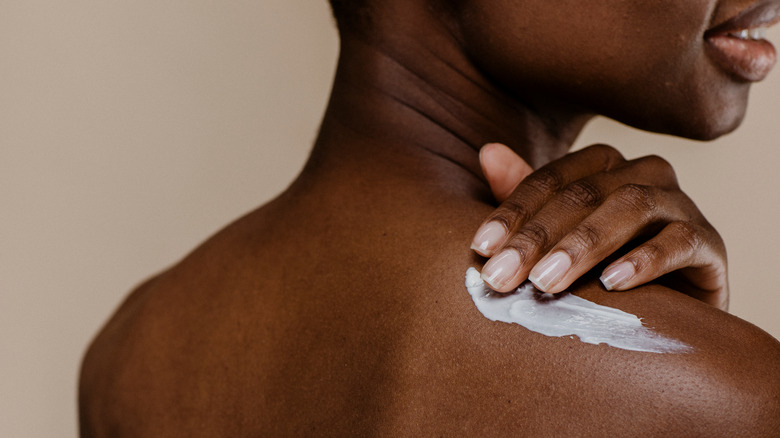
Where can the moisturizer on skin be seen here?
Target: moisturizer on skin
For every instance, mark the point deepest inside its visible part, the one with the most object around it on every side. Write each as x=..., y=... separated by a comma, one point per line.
x=566, y=315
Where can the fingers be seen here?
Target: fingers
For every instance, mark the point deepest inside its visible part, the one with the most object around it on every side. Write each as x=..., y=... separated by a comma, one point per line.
x=576, y=230
x=627, y=213
x=535, y=190
x=583, y=223
x=679, y=245
x=503, y=168
x=561, y=221
x=513, y=263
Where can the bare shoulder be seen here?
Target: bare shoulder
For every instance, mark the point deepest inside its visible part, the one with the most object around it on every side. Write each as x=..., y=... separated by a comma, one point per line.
x=320, y=335
x=727, y=384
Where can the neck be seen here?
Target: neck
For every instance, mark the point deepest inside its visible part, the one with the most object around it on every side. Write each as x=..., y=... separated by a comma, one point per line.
x=418, y=105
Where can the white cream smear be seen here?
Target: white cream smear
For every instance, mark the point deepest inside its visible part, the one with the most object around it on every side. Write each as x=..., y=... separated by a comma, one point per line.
x=567, y=315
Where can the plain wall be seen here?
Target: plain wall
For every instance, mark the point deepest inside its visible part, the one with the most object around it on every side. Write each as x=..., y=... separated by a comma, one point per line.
x=130, y=131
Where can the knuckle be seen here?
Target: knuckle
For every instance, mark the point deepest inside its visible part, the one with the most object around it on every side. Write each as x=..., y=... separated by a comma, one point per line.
x=547, y=180
x=637, y=196
x=535, y=234
x=511, y=212
x=660, y=165
x=648, y=253
x=610, y=155
x=687, y=235
x=716, y=241
x=582, y=193
x=655, y=161
x=586, y=236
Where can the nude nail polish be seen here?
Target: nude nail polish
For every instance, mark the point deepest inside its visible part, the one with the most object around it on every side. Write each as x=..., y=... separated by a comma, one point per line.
x=550, y=270
x=617, y=275
x=488, y=238
x=500, y=269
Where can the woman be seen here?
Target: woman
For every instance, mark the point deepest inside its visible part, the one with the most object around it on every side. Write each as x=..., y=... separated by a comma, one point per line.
x=339, y=307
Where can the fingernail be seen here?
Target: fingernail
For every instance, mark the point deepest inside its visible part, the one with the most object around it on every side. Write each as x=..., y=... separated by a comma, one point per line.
x=550, y=270
x=488, y=237
x=500, y=269
x=617, y=275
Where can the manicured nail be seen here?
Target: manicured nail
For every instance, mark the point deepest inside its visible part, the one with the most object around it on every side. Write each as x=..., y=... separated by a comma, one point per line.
x=549, y=271
x=488, y=237
x=500, y=269
x=617, y=275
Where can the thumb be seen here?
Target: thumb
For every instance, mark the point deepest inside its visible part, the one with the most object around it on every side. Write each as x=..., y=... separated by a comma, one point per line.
x=503, y=169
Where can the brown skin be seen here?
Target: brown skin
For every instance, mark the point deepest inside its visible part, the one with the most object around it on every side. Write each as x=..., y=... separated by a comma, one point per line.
x=593, y=205
x=339, y=308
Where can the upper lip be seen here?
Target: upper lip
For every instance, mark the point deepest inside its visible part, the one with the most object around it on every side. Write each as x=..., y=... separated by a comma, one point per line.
x=762, y=14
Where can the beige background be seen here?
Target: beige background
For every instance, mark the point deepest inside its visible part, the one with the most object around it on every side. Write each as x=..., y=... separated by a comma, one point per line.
x=130, y=131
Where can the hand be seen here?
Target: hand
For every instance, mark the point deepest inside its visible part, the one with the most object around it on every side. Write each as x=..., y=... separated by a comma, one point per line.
x=557, y=223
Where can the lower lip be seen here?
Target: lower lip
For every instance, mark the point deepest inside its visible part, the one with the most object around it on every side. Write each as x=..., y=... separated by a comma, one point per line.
x=748, y=60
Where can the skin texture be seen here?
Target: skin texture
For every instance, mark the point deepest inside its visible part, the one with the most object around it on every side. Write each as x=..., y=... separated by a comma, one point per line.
x=339, y=308
x=593, y=205
x=664, y=70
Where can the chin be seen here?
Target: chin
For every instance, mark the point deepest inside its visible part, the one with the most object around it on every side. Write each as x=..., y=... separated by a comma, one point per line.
x=696, y=122
x=711, y=116
x=712, y=126
x=701, y=130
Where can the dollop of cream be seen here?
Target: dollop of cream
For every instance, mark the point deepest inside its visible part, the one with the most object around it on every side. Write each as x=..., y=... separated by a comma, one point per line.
x=567, y=315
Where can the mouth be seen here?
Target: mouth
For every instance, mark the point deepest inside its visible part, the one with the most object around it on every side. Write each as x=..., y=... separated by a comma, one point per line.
x=738, y=45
